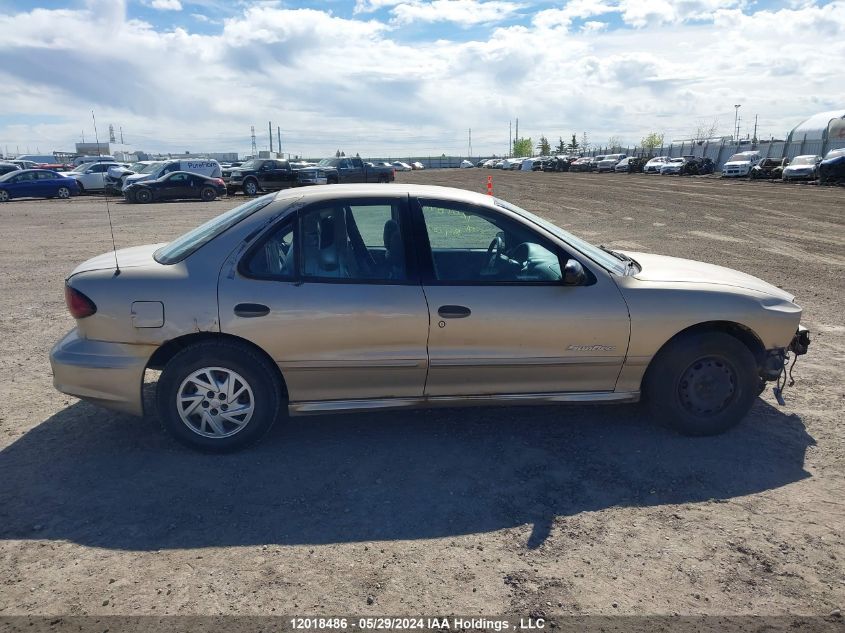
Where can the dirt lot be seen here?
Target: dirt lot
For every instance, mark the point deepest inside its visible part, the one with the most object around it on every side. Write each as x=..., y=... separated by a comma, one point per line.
x=584, y=510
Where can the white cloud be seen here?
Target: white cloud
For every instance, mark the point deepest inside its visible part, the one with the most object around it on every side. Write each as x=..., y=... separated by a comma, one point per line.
x=166, y=5
x=464, y=12
x=354, y=83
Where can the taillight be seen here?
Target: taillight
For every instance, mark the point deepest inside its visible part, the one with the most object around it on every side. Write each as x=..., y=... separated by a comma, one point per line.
x=78, y=304
x=219, y=181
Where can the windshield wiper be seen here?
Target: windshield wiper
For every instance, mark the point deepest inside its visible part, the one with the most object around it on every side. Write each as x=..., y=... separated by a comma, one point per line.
x=617, y=255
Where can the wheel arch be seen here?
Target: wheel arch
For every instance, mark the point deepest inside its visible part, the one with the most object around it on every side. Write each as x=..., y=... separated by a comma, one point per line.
x=742, y=333
x=168, y=350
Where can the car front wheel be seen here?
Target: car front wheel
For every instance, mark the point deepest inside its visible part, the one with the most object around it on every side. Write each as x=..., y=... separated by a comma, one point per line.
x=218, y=396
x=250, y=187
x=143, y=196
x=702, y=384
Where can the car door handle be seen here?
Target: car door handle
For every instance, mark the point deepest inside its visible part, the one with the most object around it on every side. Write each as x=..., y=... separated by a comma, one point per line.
x=249, y=310
x=453, y=312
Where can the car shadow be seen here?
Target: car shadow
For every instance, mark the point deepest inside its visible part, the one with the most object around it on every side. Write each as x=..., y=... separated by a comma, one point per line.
x=107, y=480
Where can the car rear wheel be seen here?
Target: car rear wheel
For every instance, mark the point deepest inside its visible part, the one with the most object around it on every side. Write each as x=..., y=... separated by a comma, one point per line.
x=250, y=187
x=143, y=196
x=63, y=193
x=702, y=384
x=218, y=396
x=208, y=194
x=4, y=195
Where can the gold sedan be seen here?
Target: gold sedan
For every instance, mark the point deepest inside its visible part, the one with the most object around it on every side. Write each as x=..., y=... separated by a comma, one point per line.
x=363, y=297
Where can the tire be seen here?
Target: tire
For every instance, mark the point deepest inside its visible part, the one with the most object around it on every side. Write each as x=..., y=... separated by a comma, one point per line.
x=250, y=187
x=143, y=196
x=331, y=181
x=4, y=195
x=702, y=384
x=81, y=187
x=63, y=193
x=207, y=194
x=206, y=429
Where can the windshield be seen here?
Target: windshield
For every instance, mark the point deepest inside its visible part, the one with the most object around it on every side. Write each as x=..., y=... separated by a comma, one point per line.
x=148, y=169
x=835, y=153
x=803, y=160
x=603, y=258
x=741, y=157
x=677, y=160
x=326, y=162
x=183, y=246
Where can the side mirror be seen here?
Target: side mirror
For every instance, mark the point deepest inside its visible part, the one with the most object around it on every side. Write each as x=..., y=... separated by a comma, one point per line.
x=573, y=273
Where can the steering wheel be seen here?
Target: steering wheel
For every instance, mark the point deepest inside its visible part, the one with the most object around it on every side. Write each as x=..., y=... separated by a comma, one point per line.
x=495, y=252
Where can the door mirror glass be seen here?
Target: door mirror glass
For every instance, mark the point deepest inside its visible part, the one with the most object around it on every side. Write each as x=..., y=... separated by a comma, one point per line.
x=573, y=273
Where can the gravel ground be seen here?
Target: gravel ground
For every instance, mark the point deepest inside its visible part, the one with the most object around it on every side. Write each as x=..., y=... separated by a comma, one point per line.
x=584, y=510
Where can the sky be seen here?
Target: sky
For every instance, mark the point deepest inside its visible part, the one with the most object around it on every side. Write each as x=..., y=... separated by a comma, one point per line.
x=394, y=78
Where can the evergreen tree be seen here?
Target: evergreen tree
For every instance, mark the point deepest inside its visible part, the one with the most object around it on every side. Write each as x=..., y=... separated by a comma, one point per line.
x=543, y=146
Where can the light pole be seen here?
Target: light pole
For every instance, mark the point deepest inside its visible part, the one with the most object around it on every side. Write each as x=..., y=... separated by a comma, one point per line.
x=736, y=121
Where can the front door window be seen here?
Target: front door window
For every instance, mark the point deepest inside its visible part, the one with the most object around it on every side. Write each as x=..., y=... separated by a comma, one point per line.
x=472, y=246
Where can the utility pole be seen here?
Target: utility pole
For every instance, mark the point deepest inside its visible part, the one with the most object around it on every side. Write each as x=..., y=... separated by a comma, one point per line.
x=279, y=139
x=254, y=146
x=270, y=128
x=510, y=140
x=517, y=129
x=121, y=135
x=469, y=145
x=754, y=139
x=83, y=137
x=736, y=121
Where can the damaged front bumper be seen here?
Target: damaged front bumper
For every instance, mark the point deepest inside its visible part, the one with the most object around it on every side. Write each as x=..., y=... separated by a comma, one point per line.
x=775, y=365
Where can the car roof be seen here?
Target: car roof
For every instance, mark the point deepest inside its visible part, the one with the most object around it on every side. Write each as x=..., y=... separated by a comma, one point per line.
x=309, y=194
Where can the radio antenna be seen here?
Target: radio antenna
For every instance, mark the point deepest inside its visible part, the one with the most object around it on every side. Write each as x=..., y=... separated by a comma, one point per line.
x=108, y=208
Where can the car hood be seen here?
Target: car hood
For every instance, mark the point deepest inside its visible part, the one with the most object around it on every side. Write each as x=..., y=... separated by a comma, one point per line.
x=799, y=168
x=661, y=268
x=738, y=163
x=126, y=257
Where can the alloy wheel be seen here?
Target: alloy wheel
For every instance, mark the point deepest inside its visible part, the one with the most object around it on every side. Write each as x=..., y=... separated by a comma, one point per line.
x=215, y=402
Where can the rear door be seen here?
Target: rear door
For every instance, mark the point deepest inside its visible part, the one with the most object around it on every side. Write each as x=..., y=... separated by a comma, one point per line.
x=23, y=185
x=343, y=315
x=501, y=320
x=351, y=170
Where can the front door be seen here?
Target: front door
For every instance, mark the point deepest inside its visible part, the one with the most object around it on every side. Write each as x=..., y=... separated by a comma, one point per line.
x=177, y=186
x=330, y=294
x=502, y=320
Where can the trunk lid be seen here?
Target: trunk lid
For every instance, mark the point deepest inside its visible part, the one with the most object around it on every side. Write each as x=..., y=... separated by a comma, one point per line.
x=133, y=257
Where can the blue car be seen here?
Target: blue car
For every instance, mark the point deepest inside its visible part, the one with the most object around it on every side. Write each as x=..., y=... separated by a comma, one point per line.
x=832, y=168
x=36, y=183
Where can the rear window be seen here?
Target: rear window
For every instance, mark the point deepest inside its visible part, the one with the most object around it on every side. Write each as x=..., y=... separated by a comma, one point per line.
x=182, y=247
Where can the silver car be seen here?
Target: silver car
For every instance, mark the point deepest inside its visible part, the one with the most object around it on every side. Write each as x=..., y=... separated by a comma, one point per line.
x=805, y=167
x=362, y=297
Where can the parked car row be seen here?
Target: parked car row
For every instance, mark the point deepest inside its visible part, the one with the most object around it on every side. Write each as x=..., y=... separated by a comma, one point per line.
x=748, y=164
